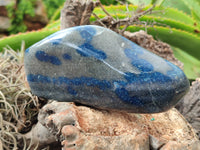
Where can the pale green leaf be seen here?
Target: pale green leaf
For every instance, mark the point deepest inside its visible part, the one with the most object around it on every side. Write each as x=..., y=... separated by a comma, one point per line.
x=191, y=64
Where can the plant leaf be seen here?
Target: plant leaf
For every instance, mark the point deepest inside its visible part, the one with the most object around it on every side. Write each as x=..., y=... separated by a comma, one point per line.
x=191, y=64
x=30, y=38
x=140, y=2
x=157, y=2
x=194, y=6
x=178, y=4
x=196, y=17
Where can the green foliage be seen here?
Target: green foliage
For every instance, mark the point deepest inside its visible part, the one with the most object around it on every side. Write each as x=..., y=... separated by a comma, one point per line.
x=194, y=6
x=52, y=6
x=191, y=65
x=17, y=13
x=29, y=38
x=140, y=2
x=179, y=4
x=108, y=2
x=56, y=14
x=157, y=2
x=112, y=2
x=53, y=25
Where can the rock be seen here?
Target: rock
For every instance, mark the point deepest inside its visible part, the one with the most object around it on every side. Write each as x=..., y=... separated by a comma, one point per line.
x=155, y=143
x=39, y=135
x=95, y=66
x=92, y=142
x=80, y=127
x=189, y=106
x=172, y=145
x=195, y=146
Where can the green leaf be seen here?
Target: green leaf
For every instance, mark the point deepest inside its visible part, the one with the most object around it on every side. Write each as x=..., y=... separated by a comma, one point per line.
x=191, y=64
x=196, y=17
x=157, y=2
x=163, y=12
x=56, y=15
x=174, y=14
x=53, y=25
x=170, y=23
x=194, y=6
x=30, y=38
x=178, y=4
x=140, y=2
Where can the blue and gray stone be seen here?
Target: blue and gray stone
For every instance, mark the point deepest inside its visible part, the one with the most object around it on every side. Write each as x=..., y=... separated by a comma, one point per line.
x=95, y=66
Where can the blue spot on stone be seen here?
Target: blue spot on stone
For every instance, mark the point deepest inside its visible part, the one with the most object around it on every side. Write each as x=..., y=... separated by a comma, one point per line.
x=175, y=72
x=38, y=78
x=87, y=33
x=130, y=54
x=104, y=84
x=139, y=63
x=31, y=78
x=134, y=48
x=27, y=50
x=55, y=81
x=138, y=49
x=63, y=80
x=44, y=79
x=123, y=94
x=88, y=81
x=71, y=91
x=142, y=78
x=78, y=81
x=56, y=41
x=87, y=50
x=131, y=77
x=142, y=65
x=67, y=56
x=42, y=56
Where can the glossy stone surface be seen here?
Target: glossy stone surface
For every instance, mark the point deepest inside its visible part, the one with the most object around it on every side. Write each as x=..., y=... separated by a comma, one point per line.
x=97, y=67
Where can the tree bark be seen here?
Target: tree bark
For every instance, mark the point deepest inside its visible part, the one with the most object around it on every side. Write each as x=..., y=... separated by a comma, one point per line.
x=76, y=12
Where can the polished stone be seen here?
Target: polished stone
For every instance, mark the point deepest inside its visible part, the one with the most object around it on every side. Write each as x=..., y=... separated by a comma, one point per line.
x=97, y=67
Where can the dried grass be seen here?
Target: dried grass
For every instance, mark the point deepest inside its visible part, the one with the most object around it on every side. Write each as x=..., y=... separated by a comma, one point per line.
x=18, y=108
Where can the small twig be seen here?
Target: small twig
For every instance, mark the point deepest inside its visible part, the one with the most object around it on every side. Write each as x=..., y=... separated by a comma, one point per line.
x=104, y=9
x=99, y=20
x=114, y=24
x=136, y=17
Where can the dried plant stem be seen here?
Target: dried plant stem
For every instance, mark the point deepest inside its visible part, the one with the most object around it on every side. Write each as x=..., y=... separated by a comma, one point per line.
x=135, y=18
x=114, y=24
